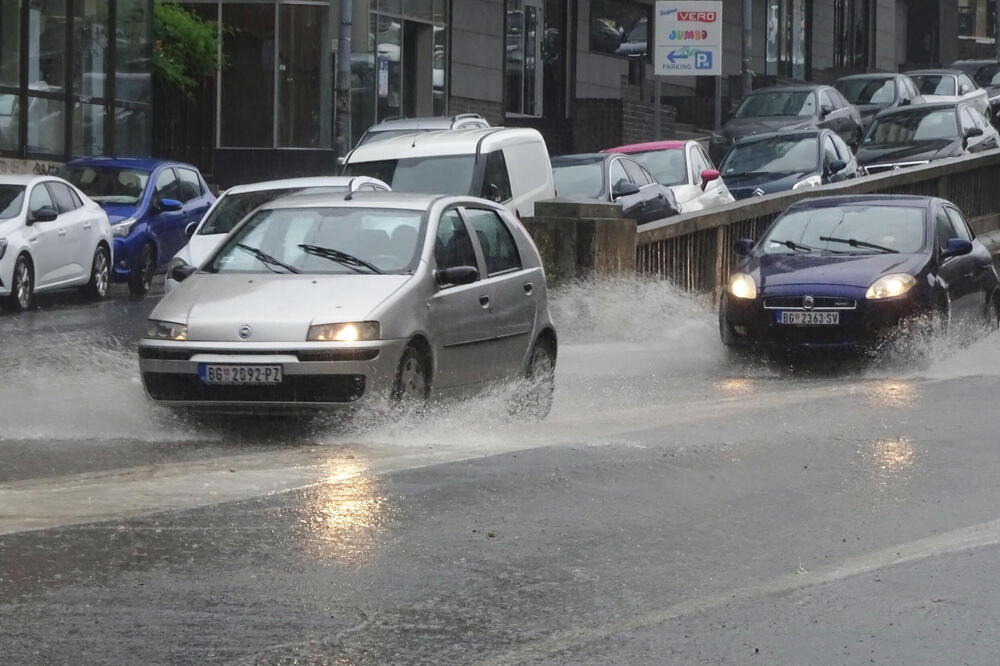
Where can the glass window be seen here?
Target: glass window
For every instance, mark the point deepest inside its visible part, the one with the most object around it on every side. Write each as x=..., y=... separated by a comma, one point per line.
x=829, y=151
x=447, y=174
x=785, y=44
x=248, y=41
x=842, y=148
x=496, y=183
x=699, y=163
x=88, y=129
x=620, y=27
x=40, y=198
x=775, y=155
x=10, y=43
x=579, y=180
x=636, y=173
x=190, y=184
x=958, y=223
x=968, y=122
x=667, y=166
x=167, y=186
x=302, y=123
x=616, y=173
x=452, y=244
x=440, y=66
x=61, y=196
x=133, y=131
x=108, y=185
x=389, y=73
x=11, y=199
x=523, y=69
x=943, y=229
x=935, y=84
x=851, y=24
x=10, y=121
x=496, y=241
x=915, y=125
x=965, y=84
x=46, y=125
x=824, y=100
x=77, y=201
x=47, y=45
x=90, y=23
x=781, y=103
x=893, y=227
x=133, y=77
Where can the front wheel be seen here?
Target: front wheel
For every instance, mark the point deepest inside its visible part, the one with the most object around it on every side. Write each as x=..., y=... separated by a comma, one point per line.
x=534, y=399
x=141, y=279
x=22, y=287
x=100, y=276
x=411, y=388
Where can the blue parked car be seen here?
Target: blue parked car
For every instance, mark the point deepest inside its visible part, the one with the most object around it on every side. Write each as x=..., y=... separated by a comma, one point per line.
x=149, y=203
x=846, y=271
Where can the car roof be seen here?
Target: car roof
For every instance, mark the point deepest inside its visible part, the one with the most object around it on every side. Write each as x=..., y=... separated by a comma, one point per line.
x=579, y=158
x=426, y=122
x=905, y=200
x=795, y=88
x=939, y=70
x=141, y=163
x=443, y=142
x=648, y=146
x=871, y=75
x=311, y=181
x=407, y=200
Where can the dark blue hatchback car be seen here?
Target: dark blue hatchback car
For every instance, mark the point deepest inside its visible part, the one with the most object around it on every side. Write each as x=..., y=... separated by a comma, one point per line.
x=846, y=271
x=149, y=203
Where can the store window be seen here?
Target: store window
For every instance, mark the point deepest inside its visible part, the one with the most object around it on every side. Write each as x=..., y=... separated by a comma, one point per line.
x=851, y=26
x=620, y=27
x=10, y=74
x=787, y=43
x=388, y=65
x=249, y=84
x=523, y=69
x=300, y=77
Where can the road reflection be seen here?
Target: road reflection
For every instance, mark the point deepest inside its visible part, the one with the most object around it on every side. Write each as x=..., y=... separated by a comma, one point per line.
x=893, y=393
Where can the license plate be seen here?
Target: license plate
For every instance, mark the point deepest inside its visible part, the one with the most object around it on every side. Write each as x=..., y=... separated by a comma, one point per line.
x=228, y=373
x=808, y=318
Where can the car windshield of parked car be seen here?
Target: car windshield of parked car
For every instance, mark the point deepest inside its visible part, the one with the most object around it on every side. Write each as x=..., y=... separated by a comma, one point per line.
x=445, y=174
x=232, y=208
x=11, y=198
x=579, y=180
x=111, y=185
x=915, y=125
x=775, y=155
x=781, y=103
x=934, y=84
x=668, y=166
x=873, y=229
x=323, y=240
x=867, y=91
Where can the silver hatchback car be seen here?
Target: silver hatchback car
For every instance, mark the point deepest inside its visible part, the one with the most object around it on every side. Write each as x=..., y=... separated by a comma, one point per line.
x=320, y=300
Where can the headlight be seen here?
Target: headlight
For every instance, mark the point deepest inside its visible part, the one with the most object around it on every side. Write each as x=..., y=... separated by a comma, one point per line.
x=165, y=330
x=3, y=247
x=123, y=228
x=742, y=285
x=349, y=332
x=889, y=286
x=811, y=181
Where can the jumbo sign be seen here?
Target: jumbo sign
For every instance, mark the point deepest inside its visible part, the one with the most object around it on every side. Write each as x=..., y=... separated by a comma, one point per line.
x=687, y=38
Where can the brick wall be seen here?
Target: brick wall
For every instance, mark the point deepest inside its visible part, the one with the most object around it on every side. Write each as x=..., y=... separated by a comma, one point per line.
x=492, y=111
x=638, y=115
x=597, y=124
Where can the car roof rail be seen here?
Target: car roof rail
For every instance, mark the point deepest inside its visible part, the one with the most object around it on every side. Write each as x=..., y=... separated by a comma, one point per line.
x=350, y=189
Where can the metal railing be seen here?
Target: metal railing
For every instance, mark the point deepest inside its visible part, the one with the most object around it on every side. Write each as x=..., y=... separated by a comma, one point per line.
x=696, y=251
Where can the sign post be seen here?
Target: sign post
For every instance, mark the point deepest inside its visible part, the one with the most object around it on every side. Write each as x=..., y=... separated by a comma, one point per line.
x=687, y=41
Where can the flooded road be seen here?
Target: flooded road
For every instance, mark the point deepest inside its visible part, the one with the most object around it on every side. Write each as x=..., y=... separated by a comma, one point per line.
x=675, y=507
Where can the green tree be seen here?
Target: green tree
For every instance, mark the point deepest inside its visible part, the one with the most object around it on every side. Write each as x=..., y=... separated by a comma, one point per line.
x=185, y=46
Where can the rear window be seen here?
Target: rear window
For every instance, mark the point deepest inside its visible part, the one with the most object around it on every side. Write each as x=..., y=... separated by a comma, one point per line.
x=11, y=200
x=579, y=180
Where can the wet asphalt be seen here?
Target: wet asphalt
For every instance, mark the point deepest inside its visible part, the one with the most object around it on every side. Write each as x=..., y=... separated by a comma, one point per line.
x=676, y=507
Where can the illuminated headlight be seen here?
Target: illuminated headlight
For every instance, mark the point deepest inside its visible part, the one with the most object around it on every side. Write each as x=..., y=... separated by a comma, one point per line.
x=349, y=332
x=889, y=286
x=811, y=181
x=123, y=228
x=742, y=285
x=165, y=330
x=3, y=247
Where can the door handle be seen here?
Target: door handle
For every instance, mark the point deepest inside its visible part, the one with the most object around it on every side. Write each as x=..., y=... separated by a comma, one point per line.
x=528, y=288
x=62, y=232
x=87, y=225
x=484, y=301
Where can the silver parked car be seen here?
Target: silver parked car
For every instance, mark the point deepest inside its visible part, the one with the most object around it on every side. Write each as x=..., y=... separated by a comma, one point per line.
x=323, y=300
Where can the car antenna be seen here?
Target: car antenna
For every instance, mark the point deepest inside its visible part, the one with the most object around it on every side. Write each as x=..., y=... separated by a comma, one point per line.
x=350, y=184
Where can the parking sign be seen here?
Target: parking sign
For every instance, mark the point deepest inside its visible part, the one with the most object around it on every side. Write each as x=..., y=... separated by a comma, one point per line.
x=687, y=38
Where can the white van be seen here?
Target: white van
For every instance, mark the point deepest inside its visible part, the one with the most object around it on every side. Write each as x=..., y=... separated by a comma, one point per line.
x=503, y=164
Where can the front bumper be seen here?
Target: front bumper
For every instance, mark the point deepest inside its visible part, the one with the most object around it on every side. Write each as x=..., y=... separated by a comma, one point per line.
x=314, y=375
x=121, y=268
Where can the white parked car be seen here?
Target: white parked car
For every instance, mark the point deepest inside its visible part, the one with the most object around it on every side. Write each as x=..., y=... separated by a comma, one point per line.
x=950, y=85
x=52, y=236
x=506, y=165
x=684, y=167
x=237, y=202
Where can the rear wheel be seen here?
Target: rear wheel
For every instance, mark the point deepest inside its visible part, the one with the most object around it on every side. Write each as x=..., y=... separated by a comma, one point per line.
x=411, y=388
x=100, y=276
x=141, y=279
x=534, y=400
x=22, y=287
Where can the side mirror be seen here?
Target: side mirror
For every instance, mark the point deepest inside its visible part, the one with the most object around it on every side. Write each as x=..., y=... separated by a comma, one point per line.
x=836, y=165
x=707, y=176
x=624, y=188
x=189, y=229
x=956, y=248
x=825, y=110
x=182, y=272
x=973, y=131
x=456, y=275
x=170, y=204
x=44, y=214
x=743, y=246
x=905, y=101
x=962, y=89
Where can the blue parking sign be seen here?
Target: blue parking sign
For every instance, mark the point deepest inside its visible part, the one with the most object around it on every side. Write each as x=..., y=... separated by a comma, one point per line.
x=703, y=60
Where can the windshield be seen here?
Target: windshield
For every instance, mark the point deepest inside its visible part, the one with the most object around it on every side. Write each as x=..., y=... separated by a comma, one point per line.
x=783, y=103
x=579, y=180
x=668, y=166
x=895, y=228
x=934, y=84
x=916, y=125
x=867, y=91
x=111, y=185
x=11, y=198
x=305, y=240
x=776, y=155
x=232, y=208
x=446, y=174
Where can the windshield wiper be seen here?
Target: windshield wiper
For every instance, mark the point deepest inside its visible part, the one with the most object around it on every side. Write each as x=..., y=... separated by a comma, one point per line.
x=348, y=260
x=266, y=259
x=792, y=245
x=854, y=242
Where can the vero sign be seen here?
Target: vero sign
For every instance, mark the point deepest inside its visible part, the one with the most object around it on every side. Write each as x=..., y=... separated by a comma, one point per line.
x=687, y=38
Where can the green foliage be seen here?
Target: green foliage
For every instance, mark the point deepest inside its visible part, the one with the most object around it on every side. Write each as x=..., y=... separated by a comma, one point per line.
x=185, y=46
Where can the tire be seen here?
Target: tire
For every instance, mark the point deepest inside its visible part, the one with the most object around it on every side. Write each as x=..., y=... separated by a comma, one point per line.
x=411, y=388
x=141, y=279
x=533, y=400
x=100, y=276
x=22, y=288
x=992, y=318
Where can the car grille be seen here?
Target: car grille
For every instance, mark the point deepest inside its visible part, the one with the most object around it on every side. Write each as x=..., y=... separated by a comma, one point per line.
x=293, y=388
x=882, y=168
x=166, y=354
x=819, y=303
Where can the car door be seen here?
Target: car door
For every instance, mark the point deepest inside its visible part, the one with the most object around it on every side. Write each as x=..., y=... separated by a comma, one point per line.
x=967, y=121
x=50, y=245
x=958, y=274
x=979, y=262
x=972, y=93
x=167, y=226
x=459, y=320
x=78, y=227
x=711, y=194
x=511, y=291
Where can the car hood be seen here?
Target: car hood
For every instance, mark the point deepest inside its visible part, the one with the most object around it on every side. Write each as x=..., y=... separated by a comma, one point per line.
x=782, y=270
x=279, y=308
x=744, y=186
x=117, y=212
x=912, y=151
x=737, y=127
